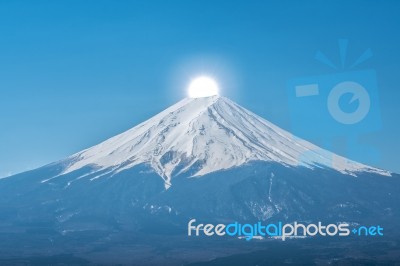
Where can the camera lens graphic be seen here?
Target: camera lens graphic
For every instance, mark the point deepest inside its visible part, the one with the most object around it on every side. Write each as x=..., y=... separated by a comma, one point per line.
x=359, y=93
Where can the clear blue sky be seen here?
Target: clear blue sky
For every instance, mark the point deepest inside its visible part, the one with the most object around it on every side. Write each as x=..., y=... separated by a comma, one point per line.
x=73, y=73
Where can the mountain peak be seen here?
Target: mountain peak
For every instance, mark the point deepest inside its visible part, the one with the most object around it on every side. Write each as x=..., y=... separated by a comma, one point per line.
x=197, y=136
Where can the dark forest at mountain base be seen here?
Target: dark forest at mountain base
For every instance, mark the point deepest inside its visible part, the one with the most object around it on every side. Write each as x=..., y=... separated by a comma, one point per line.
x=181, y=250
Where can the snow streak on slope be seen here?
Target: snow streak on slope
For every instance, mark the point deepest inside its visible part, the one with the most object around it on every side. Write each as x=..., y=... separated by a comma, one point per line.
x=203, y=135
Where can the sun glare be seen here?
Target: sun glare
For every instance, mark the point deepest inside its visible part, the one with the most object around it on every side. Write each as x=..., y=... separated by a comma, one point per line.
x=203, y=87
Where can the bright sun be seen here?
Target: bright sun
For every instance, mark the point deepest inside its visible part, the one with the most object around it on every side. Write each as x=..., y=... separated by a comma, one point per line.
x=202, y=87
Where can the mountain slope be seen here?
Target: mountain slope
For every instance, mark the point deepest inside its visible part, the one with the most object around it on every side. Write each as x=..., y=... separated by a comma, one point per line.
x=203, y=135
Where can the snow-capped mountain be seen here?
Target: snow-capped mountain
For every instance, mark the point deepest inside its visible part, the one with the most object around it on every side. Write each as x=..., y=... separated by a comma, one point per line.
x=203, y=135
x=205, y=158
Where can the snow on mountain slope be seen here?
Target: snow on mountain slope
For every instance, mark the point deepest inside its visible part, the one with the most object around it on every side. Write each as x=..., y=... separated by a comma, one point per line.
x=204, y=135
